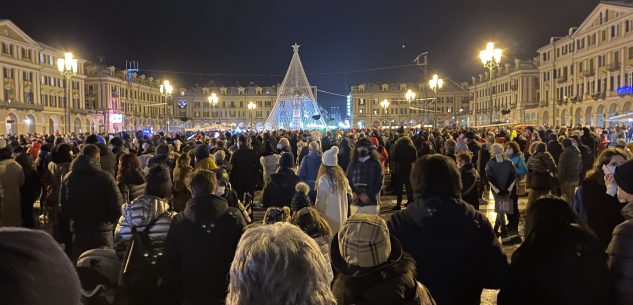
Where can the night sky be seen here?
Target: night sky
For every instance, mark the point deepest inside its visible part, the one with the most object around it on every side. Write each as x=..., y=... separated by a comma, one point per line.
x=254, y=37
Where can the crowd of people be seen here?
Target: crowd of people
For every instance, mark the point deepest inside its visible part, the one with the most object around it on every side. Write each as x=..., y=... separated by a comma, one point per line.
x=167, y=218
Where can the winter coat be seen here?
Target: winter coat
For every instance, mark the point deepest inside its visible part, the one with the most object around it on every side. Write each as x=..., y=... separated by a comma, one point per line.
x=11, y=179
x=206, y=163
x=280, y=188
x=519, y=164
x=52, y=181
x=139, y=213
x=332, y=206
x=602, y=210
x=132, y=185
x=484, y=157
x=29, y=192
x=567, y=269
x=588, y=157
x=555, y=149
x=471, y=185
x=181, y=192
x=309, y=169
x=588, y=140
x=542, y=163
x=620, y=252
x=404, y=155
x=365, y=177
x=269, y=164
x=454, y=247
x=90, y=197
x=392, y=283
x=343, y=159
x=500, y=174
x=199, y=249
x=569, y=165
x=107, y=160
x=245, y=171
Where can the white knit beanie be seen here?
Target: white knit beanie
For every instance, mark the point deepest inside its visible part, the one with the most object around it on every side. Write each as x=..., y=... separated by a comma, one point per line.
x=330, y=157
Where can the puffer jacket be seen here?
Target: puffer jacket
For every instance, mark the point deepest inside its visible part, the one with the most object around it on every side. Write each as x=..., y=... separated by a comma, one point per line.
x=541, y=162
x=569, y=165
x=139, y=213
x=620, y=252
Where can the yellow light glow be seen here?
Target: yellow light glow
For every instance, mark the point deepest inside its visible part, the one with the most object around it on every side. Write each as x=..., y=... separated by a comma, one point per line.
x=60, y=64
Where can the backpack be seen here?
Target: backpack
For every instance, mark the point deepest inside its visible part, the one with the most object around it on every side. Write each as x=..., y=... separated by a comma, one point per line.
x=139, y=274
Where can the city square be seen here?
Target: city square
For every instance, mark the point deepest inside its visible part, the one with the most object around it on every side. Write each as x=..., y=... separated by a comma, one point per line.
x=258, y=152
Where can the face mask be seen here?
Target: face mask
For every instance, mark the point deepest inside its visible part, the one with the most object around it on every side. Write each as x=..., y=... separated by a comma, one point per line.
x=280, y=147
x=510, y=151
x=220, y=190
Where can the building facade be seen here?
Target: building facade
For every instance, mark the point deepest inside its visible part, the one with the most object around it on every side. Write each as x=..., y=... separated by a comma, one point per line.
x=366, y=110
x=504, y=98
x=585, y=74
x=126, y=104
x=34, y=92
x=193, y=109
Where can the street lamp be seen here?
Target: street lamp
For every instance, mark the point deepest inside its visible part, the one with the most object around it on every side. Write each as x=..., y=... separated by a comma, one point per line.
x=213, y=100
x=490, y=58
x=251, y=106
x=410, y=96
x=67, y=66
x=165, y=90
x=435, y=83
x=384, y=104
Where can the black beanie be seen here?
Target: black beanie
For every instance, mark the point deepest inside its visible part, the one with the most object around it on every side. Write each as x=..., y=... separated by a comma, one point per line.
x=287, y=160
x=202, y=151
x=624, y=176
x=34, y=270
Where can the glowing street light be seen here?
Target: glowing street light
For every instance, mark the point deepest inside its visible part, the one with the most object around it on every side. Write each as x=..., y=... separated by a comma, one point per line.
x=410, y=96
x=435, y=84
x=251, y=106
x=384, y=104
x=213, y=100
x=67, y=66
x=165, y=90
x=490, y=58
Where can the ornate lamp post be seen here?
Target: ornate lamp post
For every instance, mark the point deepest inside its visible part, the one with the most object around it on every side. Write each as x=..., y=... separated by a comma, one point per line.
x=165, y=90
x=435, y=83
x=251, y=106
x=384, y=104
x=67, y=66
x=410, y=96
x=490, y=58
x=213, y=100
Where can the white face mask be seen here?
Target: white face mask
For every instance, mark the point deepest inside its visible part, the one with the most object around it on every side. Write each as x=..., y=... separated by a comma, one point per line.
x=220, y=190
x=510, y=151
x=280, y=147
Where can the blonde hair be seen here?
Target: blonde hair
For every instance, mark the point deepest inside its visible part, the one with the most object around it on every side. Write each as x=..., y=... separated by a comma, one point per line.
x=302, y=187
x=279, y=264
x=335, y=175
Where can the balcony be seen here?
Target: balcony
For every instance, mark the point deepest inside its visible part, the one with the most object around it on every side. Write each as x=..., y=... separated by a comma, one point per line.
x=562, y=79
x=589, y=73
x=20, y=106
x=614, y=66
x=78, y=111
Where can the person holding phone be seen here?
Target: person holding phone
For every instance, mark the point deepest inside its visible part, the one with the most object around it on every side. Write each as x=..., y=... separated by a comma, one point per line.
x=598, y=196
x=365, y=176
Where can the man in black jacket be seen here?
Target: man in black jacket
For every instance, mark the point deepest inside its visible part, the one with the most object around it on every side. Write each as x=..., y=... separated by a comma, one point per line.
x=453, y=245
x=201, y=243
x=91, y=199
x=245, y=172
x=281, y=185
x=554, y=147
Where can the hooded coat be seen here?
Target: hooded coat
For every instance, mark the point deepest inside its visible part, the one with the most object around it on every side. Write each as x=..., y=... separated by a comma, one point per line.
x=465, y=256
x=11, y=179
x=90, y=197
x=107, y=160
x=569, y=165
x=280, y=188
x=620, y=252
x=199, y=249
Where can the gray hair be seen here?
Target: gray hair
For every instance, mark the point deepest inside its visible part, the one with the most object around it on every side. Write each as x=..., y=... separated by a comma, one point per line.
x=279, y=264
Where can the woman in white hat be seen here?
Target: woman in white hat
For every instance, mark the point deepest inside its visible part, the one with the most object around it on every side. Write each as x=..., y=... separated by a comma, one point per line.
x=332, y=189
